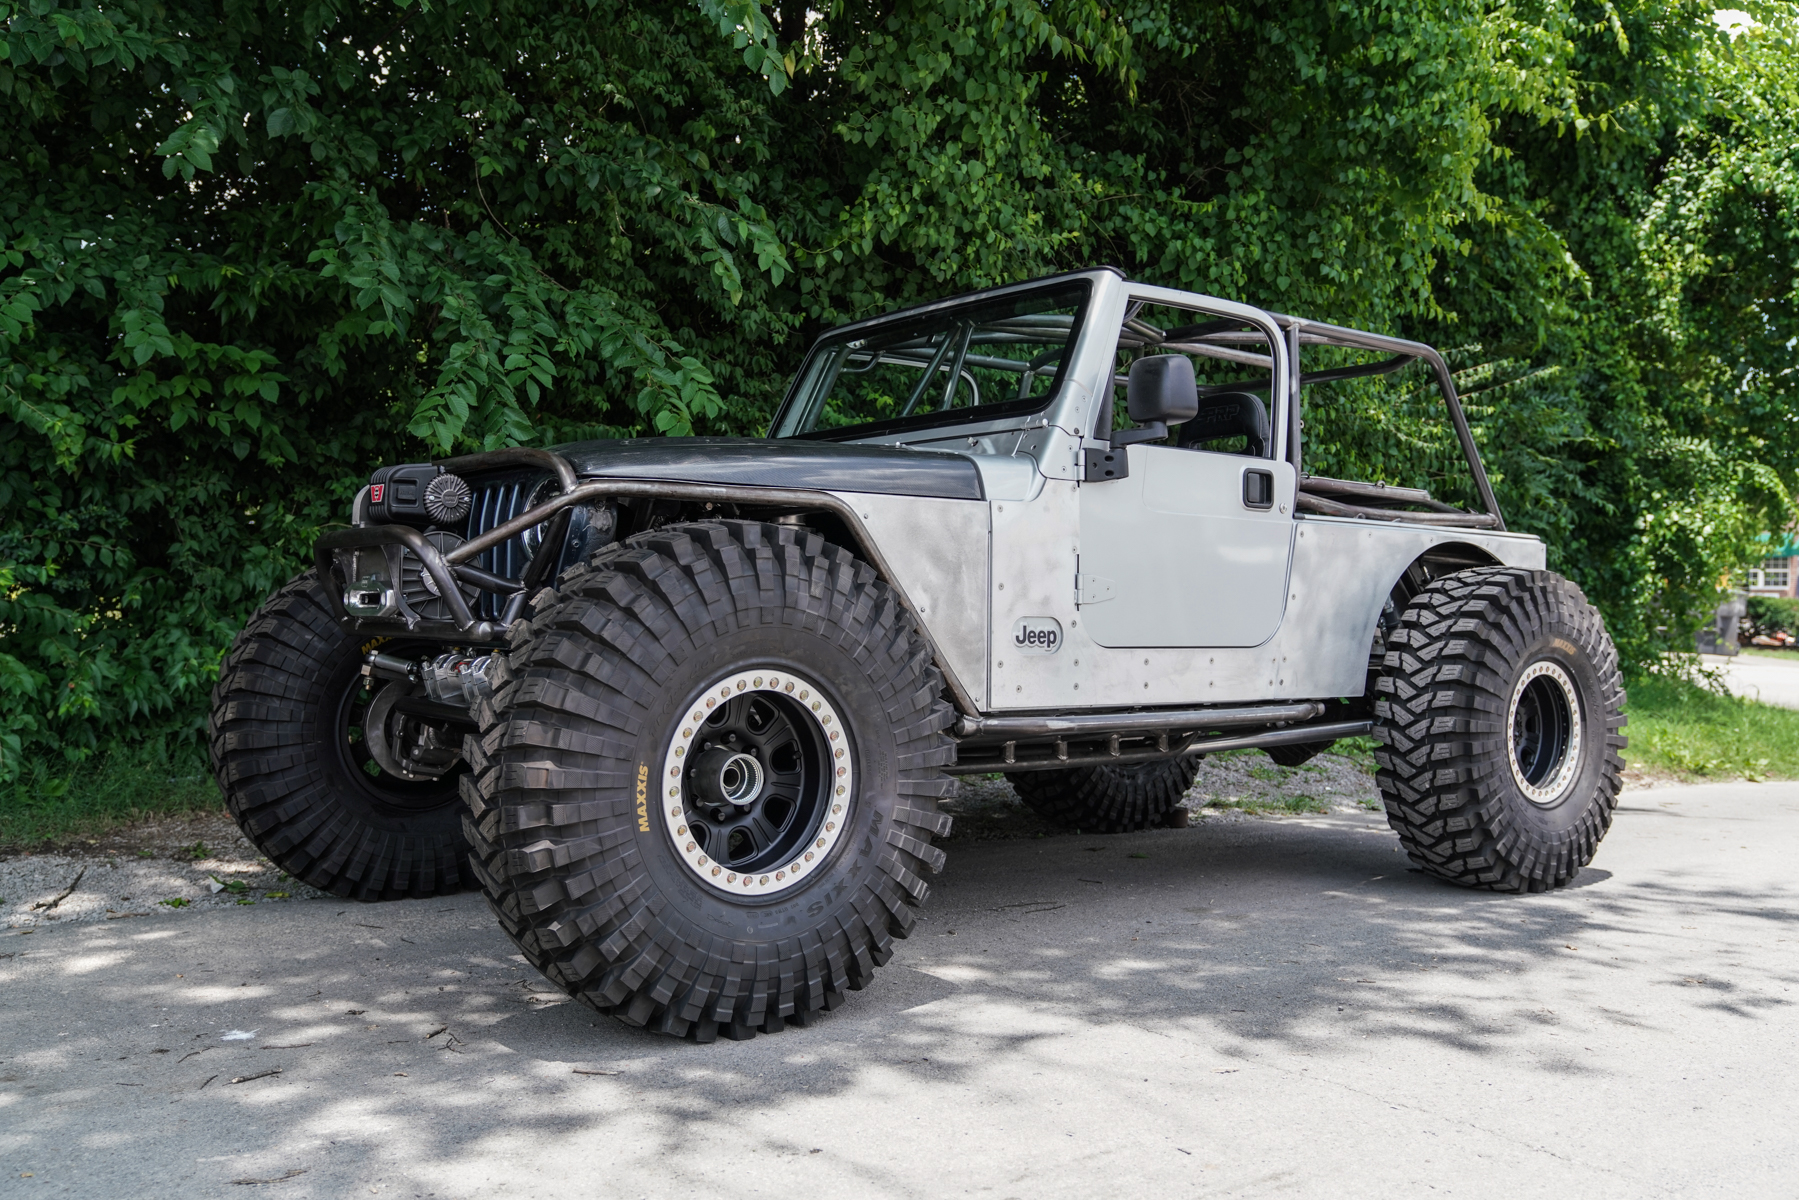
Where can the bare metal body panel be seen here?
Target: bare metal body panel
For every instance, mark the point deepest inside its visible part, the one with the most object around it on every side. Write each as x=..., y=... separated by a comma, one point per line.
x=1158, y=589
x=937, y=551
x=1172, y=585
x=1184, y=562
x=1343, y=571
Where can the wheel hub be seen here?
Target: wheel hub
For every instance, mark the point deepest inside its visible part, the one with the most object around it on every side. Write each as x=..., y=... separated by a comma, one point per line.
x=722, y=777
x=1543, y=733
x=756, y=780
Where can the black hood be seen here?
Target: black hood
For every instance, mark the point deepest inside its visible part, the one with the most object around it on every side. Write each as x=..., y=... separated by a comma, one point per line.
x=782, y=462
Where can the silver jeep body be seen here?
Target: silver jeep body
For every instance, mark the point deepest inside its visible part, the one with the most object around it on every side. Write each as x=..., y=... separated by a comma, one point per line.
x=1163, y=587
x=1055, y=571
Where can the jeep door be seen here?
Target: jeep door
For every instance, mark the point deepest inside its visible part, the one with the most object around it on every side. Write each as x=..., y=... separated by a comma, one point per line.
x=1193, y=545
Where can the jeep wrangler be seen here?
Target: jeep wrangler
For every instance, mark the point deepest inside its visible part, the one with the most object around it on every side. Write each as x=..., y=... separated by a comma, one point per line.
x=684, y=708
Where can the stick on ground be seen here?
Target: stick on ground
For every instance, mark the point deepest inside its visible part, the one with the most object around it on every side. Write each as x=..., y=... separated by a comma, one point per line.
x=47, y=905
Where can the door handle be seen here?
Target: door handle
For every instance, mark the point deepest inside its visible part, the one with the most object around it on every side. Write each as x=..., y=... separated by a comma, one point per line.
x=1258, y=488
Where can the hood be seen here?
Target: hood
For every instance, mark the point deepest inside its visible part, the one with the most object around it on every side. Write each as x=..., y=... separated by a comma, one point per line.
x=781, y=462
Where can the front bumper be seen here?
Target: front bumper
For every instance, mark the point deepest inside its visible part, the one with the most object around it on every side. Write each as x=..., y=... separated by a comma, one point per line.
x=361, y=567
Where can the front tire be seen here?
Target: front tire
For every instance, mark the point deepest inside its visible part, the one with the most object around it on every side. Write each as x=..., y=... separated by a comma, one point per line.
x=1500, y=711
x=291, y=725
x=706, y=787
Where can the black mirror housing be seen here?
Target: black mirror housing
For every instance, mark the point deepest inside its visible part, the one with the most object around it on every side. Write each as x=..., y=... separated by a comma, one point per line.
x=1160, y=392
x=1161, y=388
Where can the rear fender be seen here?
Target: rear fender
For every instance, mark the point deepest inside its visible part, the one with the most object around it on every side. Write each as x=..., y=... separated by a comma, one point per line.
x=1345, y=574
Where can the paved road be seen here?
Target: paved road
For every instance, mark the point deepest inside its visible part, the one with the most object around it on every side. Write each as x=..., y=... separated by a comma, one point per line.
x=1258, y=1007
x=1770, y=680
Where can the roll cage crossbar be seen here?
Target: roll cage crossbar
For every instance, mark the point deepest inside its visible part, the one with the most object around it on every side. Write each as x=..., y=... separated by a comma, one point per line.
x=1222, y=340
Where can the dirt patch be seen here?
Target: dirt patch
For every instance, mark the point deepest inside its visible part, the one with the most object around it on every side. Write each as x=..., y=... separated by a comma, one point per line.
x=1252, y=783
x=151, y=870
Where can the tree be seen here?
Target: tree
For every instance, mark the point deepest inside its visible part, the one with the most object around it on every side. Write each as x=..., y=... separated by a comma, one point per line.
x=252, y=250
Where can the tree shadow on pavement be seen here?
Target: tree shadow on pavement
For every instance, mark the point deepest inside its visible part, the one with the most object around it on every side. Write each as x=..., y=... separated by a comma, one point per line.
x=412, y=1029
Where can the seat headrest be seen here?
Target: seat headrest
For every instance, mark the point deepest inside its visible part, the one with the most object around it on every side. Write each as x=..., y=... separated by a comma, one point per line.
x=1229, y=414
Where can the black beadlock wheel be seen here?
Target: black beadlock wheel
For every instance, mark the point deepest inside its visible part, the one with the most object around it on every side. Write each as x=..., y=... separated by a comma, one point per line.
x=290, y=736
x=705, y=790
x=1500, y=711
x=1107, y=799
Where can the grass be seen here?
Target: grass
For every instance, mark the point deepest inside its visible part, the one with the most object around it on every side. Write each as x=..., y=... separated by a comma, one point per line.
x=1358, y=750
x=1296, y=803
x=56, y=801
x=1791, y=656
x=1686, y=730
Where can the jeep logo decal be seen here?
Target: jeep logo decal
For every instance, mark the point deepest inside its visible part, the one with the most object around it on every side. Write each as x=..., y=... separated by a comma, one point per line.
x=1037, y=635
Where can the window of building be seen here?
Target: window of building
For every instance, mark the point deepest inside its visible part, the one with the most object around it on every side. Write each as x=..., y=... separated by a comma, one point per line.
x=1773, y=573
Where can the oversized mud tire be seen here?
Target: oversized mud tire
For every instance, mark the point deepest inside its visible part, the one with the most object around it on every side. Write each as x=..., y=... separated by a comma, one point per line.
x=1107, y=799
x=661, y=815
x=1500, y=710
x=287, y=752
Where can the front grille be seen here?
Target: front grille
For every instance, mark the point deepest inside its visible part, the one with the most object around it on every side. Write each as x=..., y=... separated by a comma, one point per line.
x=498, y=499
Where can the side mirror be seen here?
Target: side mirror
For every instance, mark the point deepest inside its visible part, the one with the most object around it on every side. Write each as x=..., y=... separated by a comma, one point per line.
x=1160, y=392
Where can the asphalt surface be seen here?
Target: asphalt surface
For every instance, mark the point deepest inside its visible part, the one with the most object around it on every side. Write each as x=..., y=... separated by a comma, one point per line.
x=1253, y=1006
x=1752, y=677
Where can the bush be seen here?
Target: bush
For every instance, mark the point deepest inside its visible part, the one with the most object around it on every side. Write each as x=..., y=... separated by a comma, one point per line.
x=1769, y=615
x=49, y=802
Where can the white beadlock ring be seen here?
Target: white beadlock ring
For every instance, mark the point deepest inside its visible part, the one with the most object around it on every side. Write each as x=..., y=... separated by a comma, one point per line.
x=1551, y=789
x=673, y=792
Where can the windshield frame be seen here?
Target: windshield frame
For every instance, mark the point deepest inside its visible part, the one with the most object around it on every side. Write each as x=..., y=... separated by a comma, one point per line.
x=1079, y=291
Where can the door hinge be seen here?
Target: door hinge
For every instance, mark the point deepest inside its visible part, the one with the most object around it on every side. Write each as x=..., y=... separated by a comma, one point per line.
x=1097, y=466
x=1093, y=589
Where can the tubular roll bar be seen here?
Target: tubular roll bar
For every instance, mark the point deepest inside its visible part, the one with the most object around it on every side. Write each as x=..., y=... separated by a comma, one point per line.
x=516, y=456
x=1403, y=352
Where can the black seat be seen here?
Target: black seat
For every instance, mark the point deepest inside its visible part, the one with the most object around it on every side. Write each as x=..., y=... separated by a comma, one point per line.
x=1228, y=414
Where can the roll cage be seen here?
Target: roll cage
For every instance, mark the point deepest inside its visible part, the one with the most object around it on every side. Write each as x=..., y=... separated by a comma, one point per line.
x=1238, y=333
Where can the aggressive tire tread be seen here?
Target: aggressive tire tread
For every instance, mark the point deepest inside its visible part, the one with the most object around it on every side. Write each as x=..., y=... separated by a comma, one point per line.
x=1441, y=711
x=269, y=712
x=551, y=811
x=1107, y=799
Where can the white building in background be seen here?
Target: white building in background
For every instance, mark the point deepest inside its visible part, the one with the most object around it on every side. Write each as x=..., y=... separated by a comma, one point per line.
x=1778, y=574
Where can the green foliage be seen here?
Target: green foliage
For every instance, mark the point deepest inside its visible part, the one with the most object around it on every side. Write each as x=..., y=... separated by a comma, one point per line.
x=1769, y=615
x=50, y=801
x=1293, y=804
x=249, y=250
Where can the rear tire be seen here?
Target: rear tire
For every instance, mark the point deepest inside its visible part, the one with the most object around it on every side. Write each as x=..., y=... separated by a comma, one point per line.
x=706, y=787
x=288, y=754
x=1500, y=710
x=1108, y=799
